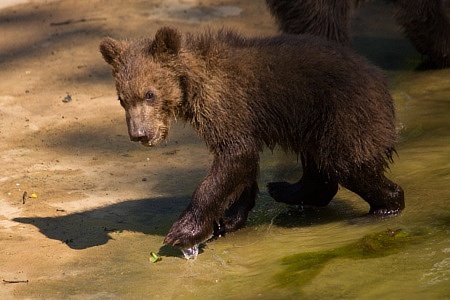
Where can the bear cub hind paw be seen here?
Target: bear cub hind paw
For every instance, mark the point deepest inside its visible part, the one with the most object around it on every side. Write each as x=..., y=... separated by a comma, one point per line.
x=301, y=193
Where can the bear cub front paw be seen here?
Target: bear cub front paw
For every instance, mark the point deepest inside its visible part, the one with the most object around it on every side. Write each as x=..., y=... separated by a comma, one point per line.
x=190, y=230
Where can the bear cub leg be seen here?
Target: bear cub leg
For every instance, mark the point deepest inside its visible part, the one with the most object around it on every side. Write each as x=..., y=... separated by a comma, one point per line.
x=384, y=196
x=236, y=215
x=312, y=189
x=225, y=196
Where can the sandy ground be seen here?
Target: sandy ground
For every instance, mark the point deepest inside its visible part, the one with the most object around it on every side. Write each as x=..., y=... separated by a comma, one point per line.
x=64, y=140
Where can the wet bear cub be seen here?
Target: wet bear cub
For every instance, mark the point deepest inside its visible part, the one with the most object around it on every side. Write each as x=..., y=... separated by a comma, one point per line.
x=309, y=96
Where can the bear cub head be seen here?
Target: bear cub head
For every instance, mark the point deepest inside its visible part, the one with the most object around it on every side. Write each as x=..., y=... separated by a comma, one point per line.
x=148, y=90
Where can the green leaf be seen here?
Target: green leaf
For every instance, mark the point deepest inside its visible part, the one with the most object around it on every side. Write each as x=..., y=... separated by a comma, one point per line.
x=154, y=257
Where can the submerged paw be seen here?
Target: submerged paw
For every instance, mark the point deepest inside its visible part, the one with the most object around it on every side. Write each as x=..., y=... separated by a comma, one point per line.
x=284, y=192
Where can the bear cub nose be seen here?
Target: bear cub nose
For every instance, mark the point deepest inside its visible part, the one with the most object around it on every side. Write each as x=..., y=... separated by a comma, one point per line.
x=138, y=135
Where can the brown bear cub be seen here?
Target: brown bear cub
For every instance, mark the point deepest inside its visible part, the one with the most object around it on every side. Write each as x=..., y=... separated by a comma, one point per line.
x=309, y=96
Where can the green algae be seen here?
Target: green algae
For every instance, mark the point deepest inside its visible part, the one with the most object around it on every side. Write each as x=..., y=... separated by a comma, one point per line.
x=300, y=269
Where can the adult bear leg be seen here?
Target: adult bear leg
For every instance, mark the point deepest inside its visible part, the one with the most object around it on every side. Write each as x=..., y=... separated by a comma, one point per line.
x=236, y=215
x=327, y=19
x=313, y=188
x=427, y=25
x=384, y=196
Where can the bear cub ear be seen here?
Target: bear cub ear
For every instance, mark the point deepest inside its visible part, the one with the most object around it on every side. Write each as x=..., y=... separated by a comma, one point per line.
x=167, y=40
x=111, y=50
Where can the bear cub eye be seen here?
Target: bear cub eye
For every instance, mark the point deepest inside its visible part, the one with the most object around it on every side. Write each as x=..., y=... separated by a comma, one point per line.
x=149, y=96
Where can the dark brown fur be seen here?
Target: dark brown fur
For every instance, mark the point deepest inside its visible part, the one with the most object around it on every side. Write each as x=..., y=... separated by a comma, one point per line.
x=424, y=22
x=328, y=19
x=307, y=95
x=427, y=26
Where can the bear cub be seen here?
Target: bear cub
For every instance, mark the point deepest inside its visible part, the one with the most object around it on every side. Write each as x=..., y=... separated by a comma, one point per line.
x=309, y=96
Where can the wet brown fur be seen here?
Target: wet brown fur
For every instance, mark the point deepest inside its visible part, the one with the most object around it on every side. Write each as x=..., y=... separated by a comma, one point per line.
x=309, y=96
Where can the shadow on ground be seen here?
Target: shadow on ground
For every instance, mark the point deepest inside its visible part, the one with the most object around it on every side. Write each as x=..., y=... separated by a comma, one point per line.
x=93, y=227
x=154, y=216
